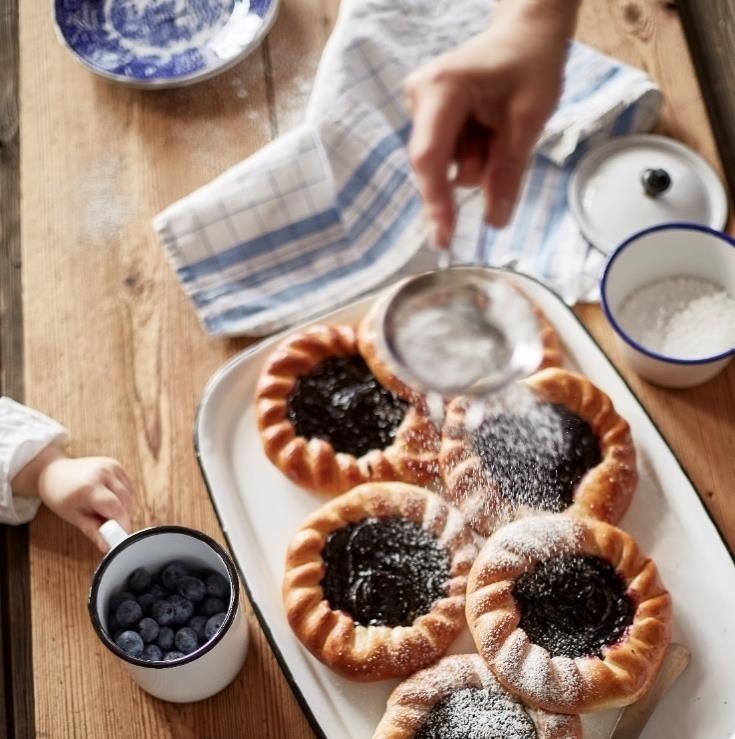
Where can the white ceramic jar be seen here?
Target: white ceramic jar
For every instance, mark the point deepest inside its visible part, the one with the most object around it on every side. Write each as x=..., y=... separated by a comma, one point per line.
x=212, y=666
x=657, y=253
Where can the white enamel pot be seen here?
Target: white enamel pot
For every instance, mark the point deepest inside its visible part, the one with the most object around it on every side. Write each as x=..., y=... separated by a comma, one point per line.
x=212, y=666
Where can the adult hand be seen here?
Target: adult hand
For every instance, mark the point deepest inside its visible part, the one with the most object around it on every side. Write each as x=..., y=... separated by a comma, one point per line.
x=483, y=105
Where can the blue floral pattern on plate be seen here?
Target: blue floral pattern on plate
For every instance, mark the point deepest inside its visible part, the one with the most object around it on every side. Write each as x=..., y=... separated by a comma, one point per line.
x=162, y=43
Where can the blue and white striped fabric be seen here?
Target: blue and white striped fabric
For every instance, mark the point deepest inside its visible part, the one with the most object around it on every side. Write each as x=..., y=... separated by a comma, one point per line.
x=331, y=210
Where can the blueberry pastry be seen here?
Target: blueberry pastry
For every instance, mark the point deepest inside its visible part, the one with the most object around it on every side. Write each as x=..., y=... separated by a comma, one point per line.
x=375, y=580
x=328, y=424
x=568, y=614
x=458, y=698
x=367, y=338
x=553, y=443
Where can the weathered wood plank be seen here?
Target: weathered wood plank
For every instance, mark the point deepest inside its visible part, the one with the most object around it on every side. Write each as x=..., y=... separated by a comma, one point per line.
x=115, y=352
x=710, y=32
x=17, y=683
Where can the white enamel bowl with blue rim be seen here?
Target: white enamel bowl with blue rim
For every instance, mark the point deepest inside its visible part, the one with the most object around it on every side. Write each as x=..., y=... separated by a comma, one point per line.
x=657, y=253
x=155, y=44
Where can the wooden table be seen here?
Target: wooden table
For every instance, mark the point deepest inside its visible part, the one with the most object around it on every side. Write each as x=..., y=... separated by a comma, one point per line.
x=113, y=349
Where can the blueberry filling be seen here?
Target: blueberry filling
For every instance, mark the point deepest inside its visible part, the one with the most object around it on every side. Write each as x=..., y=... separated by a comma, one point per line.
x=477, y=713
x=574, y=605
x=538, y=459
x=341, y=402
x=384, y=571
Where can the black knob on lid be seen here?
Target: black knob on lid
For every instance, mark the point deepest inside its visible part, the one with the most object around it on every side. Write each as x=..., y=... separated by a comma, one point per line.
x=655, y=181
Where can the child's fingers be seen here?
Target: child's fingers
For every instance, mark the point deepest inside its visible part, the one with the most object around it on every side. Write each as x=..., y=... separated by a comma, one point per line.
x=89, y=524
x=121, y=490
x=104, y=502
x=122, y=475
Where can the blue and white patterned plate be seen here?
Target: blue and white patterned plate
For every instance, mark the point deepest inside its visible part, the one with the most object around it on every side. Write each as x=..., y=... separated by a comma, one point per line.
x=162, y=43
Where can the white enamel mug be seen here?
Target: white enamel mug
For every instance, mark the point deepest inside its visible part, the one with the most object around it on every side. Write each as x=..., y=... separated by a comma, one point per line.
x=211, y=667
x=667, y=250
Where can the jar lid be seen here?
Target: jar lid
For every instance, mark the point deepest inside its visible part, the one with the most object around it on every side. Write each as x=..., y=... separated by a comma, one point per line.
x=633, y=182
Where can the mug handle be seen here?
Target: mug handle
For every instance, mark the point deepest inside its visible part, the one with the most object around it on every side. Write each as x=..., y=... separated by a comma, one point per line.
x=113, y=533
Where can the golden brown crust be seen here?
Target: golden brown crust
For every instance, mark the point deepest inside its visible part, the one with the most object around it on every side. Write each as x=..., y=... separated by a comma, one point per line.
x=603, y=493
x=370, y=350
x=313, y=463
x=367, y=341
x=411, y=702
x=553, y=355
x=564, y=684
x=370, y=653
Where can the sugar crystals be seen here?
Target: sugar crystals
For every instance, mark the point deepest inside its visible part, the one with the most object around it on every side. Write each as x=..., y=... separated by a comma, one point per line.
x=680, y=317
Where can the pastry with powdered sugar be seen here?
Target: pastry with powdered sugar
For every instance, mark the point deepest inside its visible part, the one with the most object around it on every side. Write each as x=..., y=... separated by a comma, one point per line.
x=459, y=697
x=328, y=424
x=553, y=442
x=568, y=614
x=375, y=580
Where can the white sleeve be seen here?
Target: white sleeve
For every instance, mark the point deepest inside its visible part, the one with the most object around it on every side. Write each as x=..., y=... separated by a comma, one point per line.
x=23, y=434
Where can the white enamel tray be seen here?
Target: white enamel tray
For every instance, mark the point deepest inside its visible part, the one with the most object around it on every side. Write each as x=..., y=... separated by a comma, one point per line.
x=259, y=511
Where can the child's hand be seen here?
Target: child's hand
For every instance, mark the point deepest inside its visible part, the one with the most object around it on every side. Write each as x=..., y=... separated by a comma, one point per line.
x=85, y=492
x=483, y=105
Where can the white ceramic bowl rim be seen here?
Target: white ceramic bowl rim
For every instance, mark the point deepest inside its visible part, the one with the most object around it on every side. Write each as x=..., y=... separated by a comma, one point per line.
x=142, y=534
x=674, y=225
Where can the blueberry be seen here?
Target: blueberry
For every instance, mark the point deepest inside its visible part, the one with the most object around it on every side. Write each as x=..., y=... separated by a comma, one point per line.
x=148, y=629
x=197, y=623
x=213, y=625
x=117, y=598
x=191, y=588
x=152, y=653
x=210, y=606
x=172, y=573
x=158, y=591
x=217, y=586
x=163, y=612
x=128, y=613
x=183, y=609
x=186, y=640
x=165, y=638
x=146, y=601
x=139, y=580
x=112, y=624
x=172, y=655
x=130, y=643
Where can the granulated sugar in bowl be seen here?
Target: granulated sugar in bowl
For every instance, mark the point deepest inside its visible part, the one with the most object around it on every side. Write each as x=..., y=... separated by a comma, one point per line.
x=669, y=294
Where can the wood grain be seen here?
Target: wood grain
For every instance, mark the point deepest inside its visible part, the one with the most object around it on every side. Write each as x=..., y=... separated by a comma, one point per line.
x=114, y=351
x=711, y=36
x=16, y=685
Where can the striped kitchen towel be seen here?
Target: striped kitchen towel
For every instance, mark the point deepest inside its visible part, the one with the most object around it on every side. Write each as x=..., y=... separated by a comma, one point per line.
x=330, y=210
